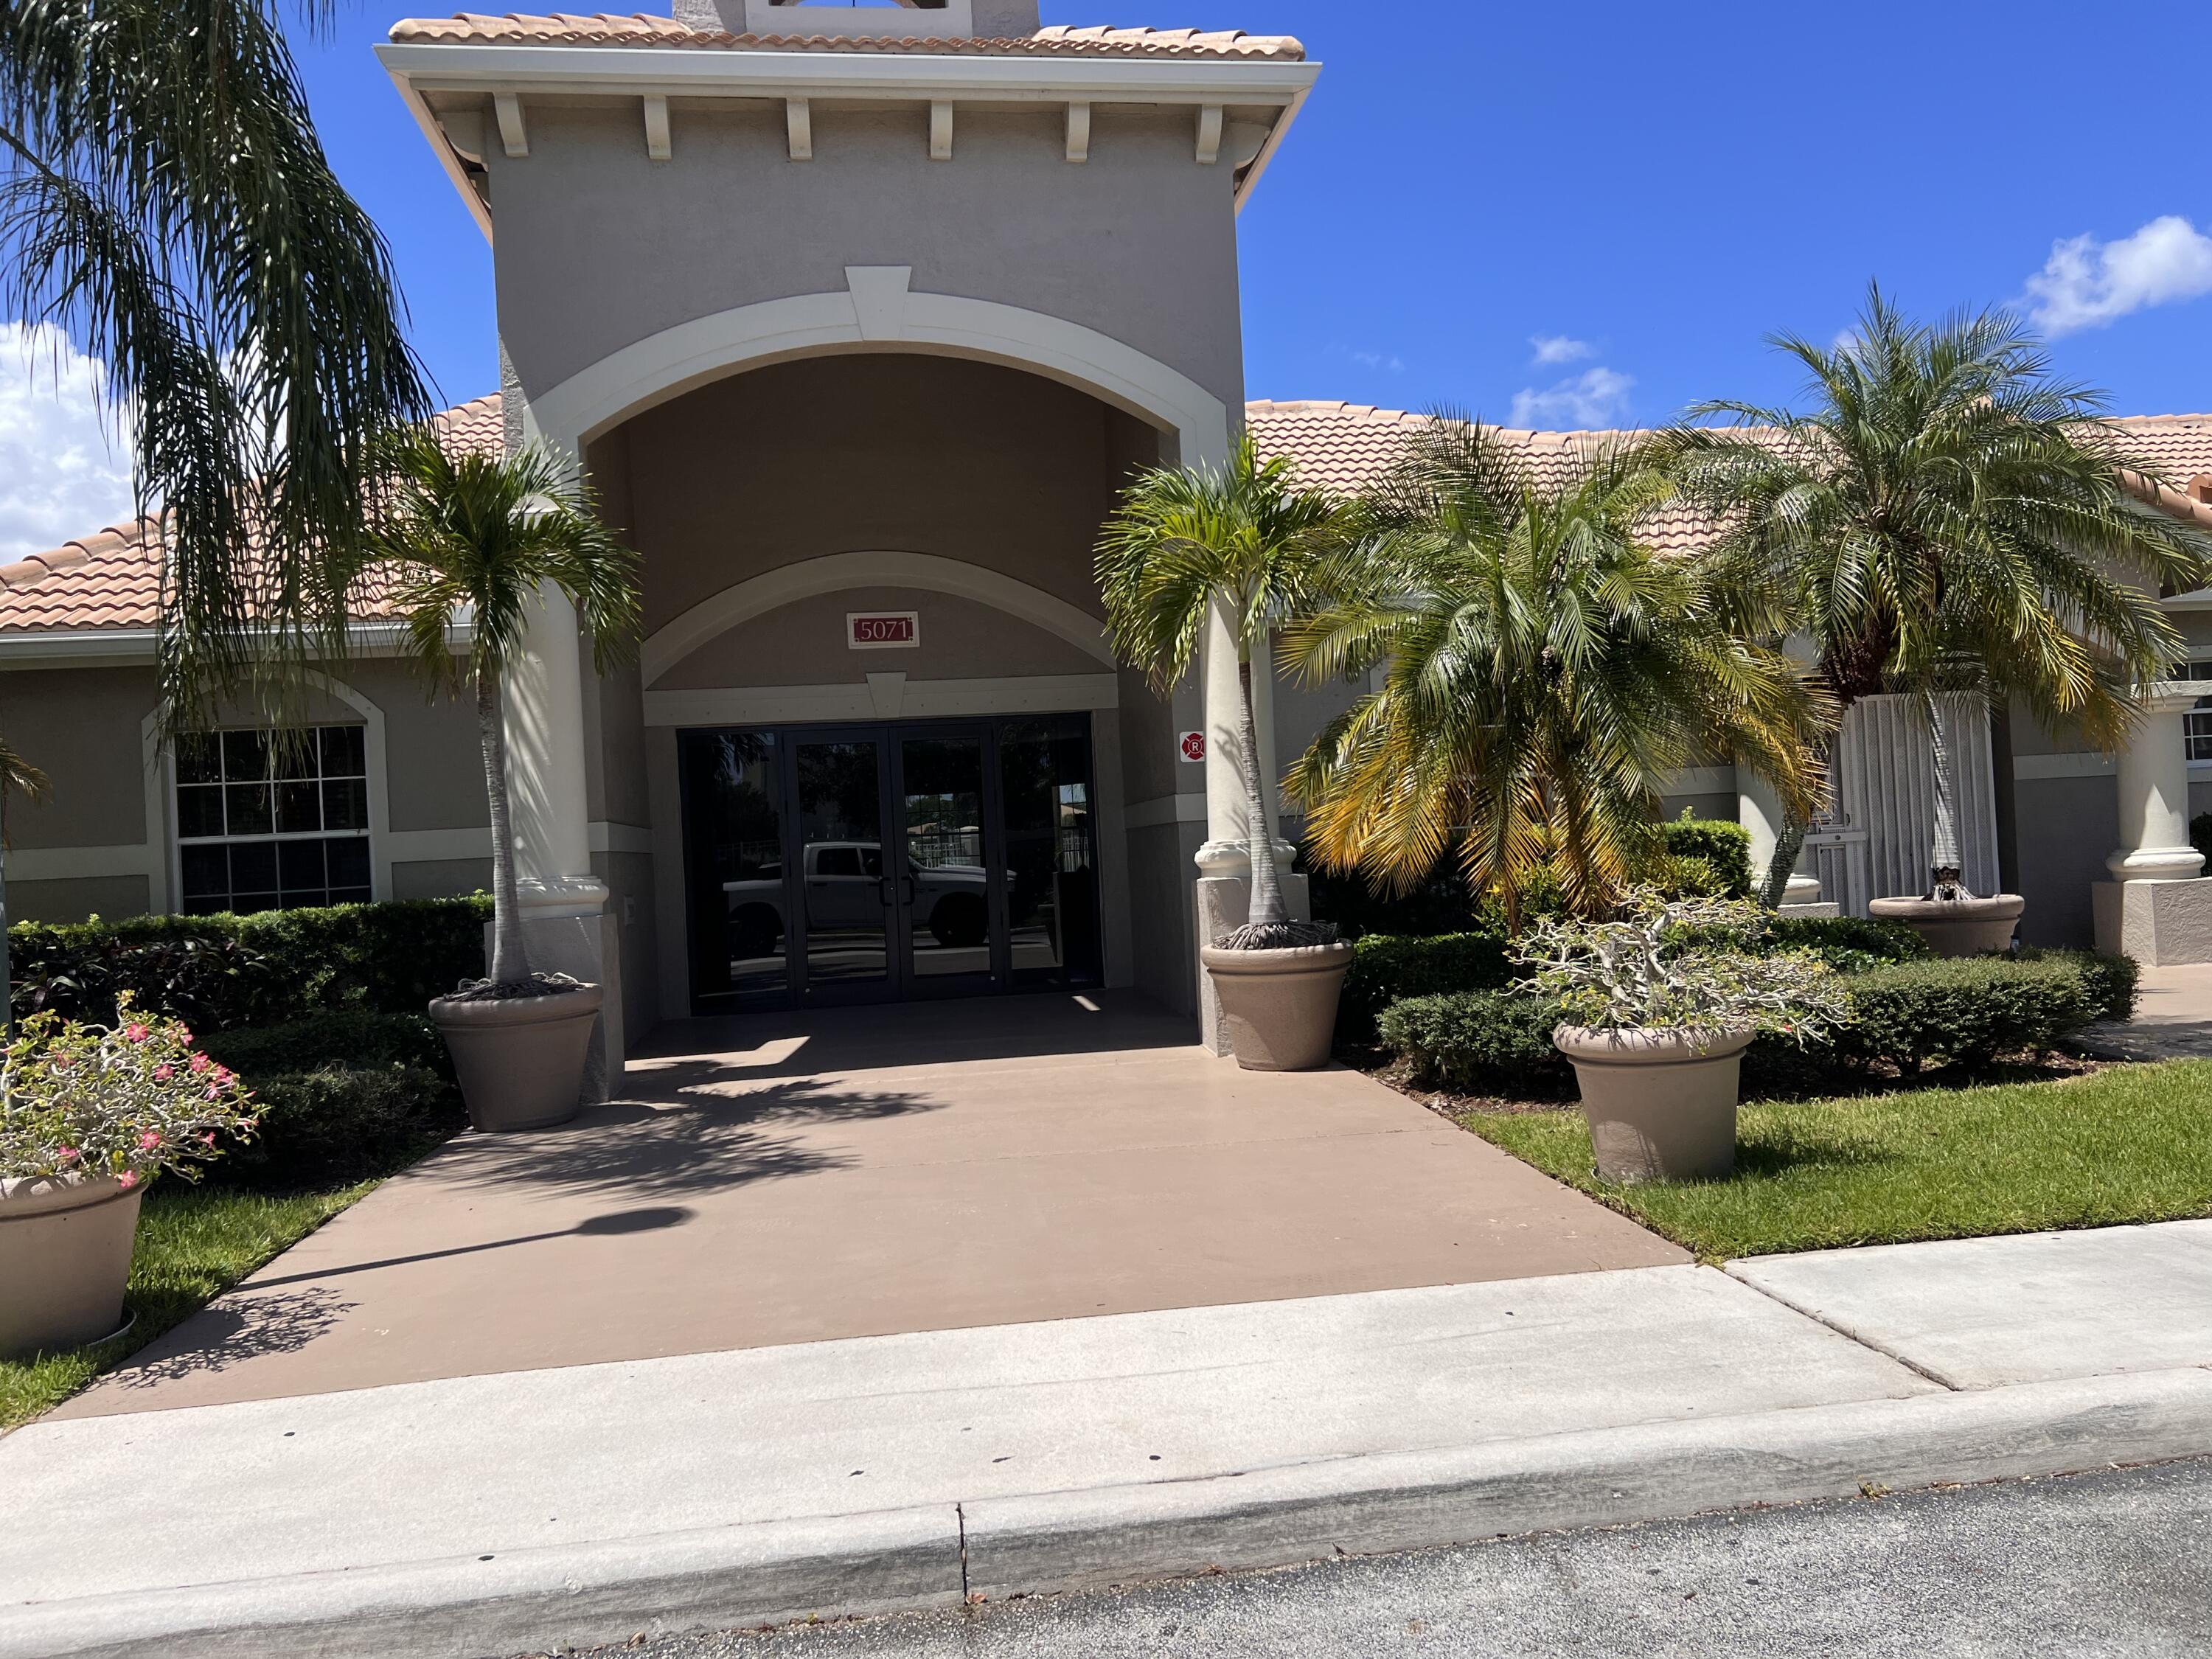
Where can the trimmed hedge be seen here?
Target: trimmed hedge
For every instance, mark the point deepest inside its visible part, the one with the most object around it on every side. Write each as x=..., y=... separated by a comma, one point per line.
x=1478, y=1042
x=221, y=972
x=337, y=1125
x=1723, y=847
x=337, y=1037
x=1386, y=968
x=1912, y=1014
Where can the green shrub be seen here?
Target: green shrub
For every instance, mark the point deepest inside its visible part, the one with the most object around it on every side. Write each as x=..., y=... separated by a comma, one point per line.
x=1478, y=1042
x=1966, y=1010
x=1440, y=904
x=337, y=1036
x=1388, y=967
x=2108, y=982
x=1849, y=944
x=339, y=1124
x=221, y=972
x=1722, y=847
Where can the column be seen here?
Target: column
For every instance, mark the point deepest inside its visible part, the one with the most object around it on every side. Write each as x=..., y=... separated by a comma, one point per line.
x=2154, y=782
x=1758, y=808
x=2157, y=908
x=545, y=710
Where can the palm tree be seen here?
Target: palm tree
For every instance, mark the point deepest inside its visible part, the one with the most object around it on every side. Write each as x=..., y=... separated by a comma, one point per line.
x=1947, y=518
x=163, y=199
x=1243, y=538
x=1542, y=672
x=485, y=536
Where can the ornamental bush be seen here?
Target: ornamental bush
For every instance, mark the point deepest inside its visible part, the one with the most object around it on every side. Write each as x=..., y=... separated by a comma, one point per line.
x=336, y=1124
x=1478, y=1042
x=1386, y=968
x=89, y=1102
x=222, y=972
x=335, y=1036
x=1964, y=1010
x=1723, y=847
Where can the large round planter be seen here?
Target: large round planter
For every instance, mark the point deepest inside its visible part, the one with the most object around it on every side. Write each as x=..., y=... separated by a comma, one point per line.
x=1957, y=927
x=1279, y=1006
x=64, y=1258
x=1660, y=1106
x=520, y=1060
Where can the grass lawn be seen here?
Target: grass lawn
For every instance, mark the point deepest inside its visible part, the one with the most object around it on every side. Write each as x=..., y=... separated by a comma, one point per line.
x=193, y=1244
x=2131, y=1143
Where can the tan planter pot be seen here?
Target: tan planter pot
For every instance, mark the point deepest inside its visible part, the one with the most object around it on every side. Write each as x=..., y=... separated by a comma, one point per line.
x=64, y=1260
x=1961, y=928
x=1660, y=1107
x=1279, y=1006
x=520, y=1060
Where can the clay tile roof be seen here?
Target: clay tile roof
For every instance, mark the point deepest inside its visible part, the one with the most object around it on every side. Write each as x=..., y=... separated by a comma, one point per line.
x=112, y=578
x=640, y=29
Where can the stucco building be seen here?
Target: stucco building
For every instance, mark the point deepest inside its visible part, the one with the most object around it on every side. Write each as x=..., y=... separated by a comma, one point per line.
x=857, y=319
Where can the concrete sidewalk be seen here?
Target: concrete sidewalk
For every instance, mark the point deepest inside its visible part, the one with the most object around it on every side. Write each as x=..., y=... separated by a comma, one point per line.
x=492, y=1514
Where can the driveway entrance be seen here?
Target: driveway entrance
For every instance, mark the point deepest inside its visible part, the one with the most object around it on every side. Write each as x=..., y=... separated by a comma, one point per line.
x=792, y=1178
x=828, y=864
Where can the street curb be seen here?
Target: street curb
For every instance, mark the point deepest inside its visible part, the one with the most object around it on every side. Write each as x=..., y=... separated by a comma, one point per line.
x=771, y=1572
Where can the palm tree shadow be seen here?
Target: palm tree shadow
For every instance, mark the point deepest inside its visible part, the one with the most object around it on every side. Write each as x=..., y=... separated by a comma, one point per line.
x=693, y=1131
x=245, y=1324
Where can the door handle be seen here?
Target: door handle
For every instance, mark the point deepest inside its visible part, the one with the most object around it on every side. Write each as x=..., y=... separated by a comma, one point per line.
x=913, y=890
x=884, y=891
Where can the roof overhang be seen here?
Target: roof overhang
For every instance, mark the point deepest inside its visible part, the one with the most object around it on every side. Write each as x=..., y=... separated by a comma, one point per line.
x=420, y=69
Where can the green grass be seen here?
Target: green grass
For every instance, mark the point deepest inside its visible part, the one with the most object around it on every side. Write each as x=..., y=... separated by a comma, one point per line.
x=2129, y=1144
x=193, y=1244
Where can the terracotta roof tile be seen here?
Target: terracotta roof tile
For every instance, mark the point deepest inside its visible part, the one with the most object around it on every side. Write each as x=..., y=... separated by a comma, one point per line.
x=642, y=29
x=112, y=578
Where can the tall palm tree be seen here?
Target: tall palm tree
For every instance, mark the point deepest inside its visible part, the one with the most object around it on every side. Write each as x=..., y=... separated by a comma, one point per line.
x=483, y=536
x=1947, y=518
x=1243, y=538
x=164, y=199
x=1542, y=672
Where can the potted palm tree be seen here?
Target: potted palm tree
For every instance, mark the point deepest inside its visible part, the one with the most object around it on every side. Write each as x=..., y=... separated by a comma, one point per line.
x=483, y=536
x=1661, y=1002
x=1947, y=521
x=1244, y=540
x=1541, y=672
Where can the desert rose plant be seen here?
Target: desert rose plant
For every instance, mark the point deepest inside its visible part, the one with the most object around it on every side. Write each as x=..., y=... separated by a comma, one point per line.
x=125, y=1101
x=1692, y=966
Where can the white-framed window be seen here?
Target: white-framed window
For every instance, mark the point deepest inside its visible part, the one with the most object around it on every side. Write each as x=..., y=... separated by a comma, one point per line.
x=2197, y=724
x=264, y=823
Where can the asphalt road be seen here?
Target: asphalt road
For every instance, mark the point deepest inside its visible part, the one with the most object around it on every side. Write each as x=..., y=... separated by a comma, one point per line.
x=2117, y=1563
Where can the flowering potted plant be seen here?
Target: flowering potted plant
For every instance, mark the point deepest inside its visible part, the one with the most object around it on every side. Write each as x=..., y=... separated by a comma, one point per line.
x=1661, y=1003
x=88, y=1115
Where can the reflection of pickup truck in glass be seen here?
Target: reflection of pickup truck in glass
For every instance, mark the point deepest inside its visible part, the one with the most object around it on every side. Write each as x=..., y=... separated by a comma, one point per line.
x=845, y=889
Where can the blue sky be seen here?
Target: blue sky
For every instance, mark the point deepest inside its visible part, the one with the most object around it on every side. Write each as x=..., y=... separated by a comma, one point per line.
x=1651, y=188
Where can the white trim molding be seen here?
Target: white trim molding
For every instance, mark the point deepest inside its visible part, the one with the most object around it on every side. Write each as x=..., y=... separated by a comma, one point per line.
x=85, y=863
x=837, y=572
x=430, y=846
x=879, y=310
x=884, y=697
x=2029, y=769
x=608, y=836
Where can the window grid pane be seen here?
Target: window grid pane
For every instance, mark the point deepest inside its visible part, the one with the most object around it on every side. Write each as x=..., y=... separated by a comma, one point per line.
x=265, y=823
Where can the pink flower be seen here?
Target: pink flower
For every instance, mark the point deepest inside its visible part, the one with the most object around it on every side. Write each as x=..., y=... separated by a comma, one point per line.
x=68, y=1154
x=201, y=1062
x=222, y=1075
x=214, y=1091
x=127, y=1180
x=207, y=1140
x=149, y=1140
x=136, y=1033
x=183, y=1034
x=164, y=1072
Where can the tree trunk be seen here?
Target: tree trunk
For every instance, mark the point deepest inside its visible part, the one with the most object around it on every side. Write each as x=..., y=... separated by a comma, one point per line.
x=7, y=957
x=1267, y=909
x=1784, y=864
x=510, y=960
x=1945, y=872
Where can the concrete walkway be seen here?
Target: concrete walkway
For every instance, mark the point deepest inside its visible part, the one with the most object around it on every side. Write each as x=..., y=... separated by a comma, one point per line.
x=2173, y=1018
x=493, y=1513
x=798, y=1179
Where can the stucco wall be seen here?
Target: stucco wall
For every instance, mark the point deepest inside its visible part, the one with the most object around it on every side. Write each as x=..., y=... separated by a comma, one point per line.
x=1139, y=243
x=74, y=898
x=81, y=726
x=2065, y=828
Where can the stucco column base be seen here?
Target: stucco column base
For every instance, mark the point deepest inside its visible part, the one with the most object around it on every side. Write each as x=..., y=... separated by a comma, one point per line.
x=1234, y=859
x=1816, y=908
x=1224, y=902
x=2158, y=923
x=1798, y=890
x=585, y=947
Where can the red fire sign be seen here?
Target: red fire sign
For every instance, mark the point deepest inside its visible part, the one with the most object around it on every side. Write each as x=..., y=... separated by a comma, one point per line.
x=1193, y=745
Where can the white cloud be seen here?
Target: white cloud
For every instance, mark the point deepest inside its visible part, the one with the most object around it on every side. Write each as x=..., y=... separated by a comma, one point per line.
x=64, y=469
x=1595, y=397
x=1559, y=348
x=1379, y=359
x=2087, y=284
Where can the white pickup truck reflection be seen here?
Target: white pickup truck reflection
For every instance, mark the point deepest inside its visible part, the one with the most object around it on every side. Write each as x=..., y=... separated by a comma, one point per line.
x=846, y=891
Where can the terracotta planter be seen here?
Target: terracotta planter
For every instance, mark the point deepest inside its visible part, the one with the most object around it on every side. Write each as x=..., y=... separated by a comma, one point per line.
x=520, y=1060
x=1660, y=1107
x=64, y=1258
x=1957, y=927
x=1279, y=1006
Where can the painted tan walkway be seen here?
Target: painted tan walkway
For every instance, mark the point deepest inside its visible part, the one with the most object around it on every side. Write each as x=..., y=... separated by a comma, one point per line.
x=791, y=1179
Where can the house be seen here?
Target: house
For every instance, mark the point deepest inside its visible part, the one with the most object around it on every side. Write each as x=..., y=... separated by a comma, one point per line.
x=856, y=318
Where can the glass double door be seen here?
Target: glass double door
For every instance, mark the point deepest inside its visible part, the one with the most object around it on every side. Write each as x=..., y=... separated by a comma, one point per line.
x=850, y=864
